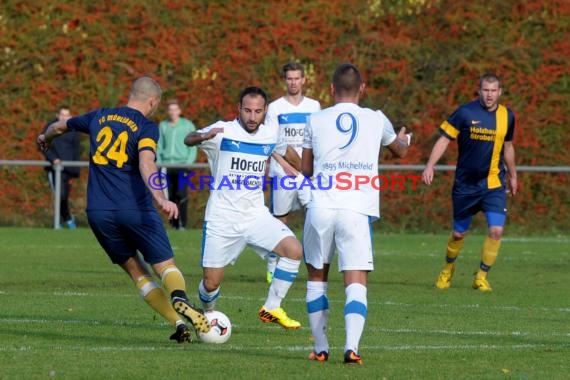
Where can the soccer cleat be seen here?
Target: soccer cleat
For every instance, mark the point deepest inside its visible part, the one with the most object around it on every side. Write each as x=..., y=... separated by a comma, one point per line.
x=182, y=334
x=482, y=285
x=322, y=356
x=444, y=278
x=278, y=316
x=269, y=277
x=193, y=315
x=351, y=357
x=71, y=223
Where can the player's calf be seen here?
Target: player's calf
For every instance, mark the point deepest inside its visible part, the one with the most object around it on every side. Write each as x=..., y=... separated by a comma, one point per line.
x=290, y=247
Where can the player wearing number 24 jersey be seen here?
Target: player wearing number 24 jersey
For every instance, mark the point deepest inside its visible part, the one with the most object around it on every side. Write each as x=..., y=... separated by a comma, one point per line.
x=345, y=138
x=117, y=135
x=119, y=200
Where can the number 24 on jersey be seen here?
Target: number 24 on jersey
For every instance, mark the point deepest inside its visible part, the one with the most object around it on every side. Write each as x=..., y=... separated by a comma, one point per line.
x=109, y=149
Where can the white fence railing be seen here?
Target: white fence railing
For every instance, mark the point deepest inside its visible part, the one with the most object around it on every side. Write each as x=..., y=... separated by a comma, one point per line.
x=59, y=168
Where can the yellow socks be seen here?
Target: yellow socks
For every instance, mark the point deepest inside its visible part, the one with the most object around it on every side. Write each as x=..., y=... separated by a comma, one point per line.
x=488, y=256
x=155, y=297
x=453, y=249
x=173, y=281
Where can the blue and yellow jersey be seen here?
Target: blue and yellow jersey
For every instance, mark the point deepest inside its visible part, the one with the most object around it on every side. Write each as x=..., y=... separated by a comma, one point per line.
x=116, y=135
x=480, y=136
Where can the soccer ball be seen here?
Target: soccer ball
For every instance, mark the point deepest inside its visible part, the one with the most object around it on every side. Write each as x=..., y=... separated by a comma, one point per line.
x=220, y=328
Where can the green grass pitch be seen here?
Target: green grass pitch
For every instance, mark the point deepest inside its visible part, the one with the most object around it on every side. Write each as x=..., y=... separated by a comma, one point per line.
x=66, y=312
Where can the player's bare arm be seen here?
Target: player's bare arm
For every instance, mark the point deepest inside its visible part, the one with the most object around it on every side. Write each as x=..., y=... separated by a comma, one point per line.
x=292, y=157
x=54, y=130
x=400, y=146
x=509, y=152
x=307, y=162
x=438, y=149
x=147, y=168
x=195, y=138
x=287, y=167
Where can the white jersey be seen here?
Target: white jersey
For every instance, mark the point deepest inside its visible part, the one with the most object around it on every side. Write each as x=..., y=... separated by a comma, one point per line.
x=346, y=141
x=237, y=162
x=290, y=121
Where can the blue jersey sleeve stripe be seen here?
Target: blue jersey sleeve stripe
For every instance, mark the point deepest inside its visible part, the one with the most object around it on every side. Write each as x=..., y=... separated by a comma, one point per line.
x=230, y=145
x=293, y=118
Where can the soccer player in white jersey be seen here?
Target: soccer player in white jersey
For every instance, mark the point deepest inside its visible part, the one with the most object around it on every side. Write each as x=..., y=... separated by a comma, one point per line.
x=288, y=115
x=236, y=215
x=343, y=142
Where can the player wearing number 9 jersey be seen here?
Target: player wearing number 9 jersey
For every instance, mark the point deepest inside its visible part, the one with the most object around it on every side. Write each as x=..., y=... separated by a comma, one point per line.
x=119, y=200
x=343, y=139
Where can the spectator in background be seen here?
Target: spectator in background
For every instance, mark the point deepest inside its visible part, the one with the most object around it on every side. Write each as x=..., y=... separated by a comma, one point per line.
x=171, y=150
x=66, y=148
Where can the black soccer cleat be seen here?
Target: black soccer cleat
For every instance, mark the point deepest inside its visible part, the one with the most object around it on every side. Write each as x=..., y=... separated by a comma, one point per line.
x=182, y=334
x=322, y=356
x=351, y=357
x=192, y=314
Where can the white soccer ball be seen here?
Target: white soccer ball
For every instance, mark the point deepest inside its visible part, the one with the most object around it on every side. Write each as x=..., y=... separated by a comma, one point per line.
x=220, y=328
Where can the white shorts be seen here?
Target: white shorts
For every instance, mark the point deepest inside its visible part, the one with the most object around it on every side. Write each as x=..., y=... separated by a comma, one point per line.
x=286, y=195
x=224, y=240
x=347, y=231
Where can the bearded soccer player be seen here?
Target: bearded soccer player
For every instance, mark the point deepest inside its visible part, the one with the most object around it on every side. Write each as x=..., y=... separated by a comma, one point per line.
x=485, y=173
x=288, y=115
x=236, y=215
x=119, y=200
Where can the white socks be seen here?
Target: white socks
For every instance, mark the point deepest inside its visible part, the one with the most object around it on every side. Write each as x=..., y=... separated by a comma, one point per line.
x=272, y=262
x=318, y=310
x=285, y=273
x=208, y=298
x=355, y=310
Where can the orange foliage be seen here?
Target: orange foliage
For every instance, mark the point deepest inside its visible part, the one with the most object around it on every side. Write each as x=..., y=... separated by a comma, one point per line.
x=420, y=62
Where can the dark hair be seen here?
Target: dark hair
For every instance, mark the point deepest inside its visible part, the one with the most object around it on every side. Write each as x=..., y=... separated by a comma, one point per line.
x=253, y=90
x=489, y=77
x=172, y=102
x=292, y=66
x=346, y=79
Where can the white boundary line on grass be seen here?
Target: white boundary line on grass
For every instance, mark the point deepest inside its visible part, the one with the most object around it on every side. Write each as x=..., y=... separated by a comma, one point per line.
x=466, y=333
x=292, y=299
x=92, y=322
x=536, y=239
x=307, y=348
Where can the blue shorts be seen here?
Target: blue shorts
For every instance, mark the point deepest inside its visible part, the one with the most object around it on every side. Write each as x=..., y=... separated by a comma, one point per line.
x=492, y=202
x=123, y=233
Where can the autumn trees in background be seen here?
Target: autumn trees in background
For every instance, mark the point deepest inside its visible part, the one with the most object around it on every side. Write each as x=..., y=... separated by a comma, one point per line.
x=420, y=58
